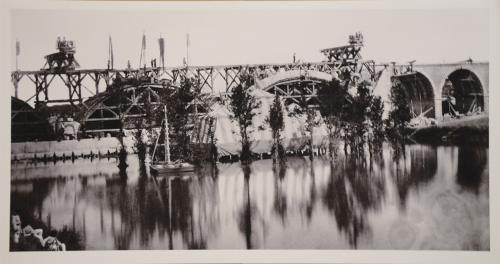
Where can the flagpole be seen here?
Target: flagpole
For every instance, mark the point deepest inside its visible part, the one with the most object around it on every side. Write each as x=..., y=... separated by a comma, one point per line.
x=110, y=54
x=187, y=49
x=18, y=50
x=16, y=80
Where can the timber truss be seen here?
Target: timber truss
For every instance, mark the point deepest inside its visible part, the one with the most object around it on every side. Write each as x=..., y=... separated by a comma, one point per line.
x=344, y=63
x=205, y=75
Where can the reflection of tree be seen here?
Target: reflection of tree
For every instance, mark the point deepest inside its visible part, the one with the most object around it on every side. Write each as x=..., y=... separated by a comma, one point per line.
x=154, y=205
x=312, y=194
x=338, y=199
x=245, y=221
x=137, y=210
x=163, y=205
x=279, y=204
x=145, y=219
x=471, y=163
x=118, y=196
x=367, y=186
x=354, y=188
x=423, y=166
x=182, y=213
x=205, y=191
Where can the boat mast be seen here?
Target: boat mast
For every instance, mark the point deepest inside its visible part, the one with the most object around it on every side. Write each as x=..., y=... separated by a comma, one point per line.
x=167, y=143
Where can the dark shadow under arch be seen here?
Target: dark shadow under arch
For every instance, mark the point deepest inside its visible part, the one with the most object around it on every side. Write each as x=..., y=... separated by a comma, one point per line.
x=465, y=87
x=419, y=92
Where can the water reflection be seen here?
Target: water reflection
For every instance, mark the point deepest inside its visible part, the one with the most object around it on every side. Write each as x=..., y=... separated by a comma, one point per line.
x=245, y=222
x=339, y=200
x=471, y=166
x=349, y=202
x=280, y=203
x=416, y=166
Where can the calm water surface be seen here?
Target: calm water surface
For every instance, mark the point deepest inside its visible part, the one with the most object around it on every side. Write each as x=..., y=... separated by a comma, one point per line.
x=428, y=198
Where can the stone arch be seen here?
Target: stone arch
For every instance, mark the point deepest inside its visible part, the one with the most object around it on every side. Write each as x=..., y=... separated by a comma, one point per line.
x=464, y=87
x=419, y=90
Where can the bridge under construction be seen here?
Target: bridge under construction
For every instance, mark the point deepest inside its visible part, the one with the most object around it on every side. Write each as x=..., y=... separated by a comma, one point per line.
x=91, y=106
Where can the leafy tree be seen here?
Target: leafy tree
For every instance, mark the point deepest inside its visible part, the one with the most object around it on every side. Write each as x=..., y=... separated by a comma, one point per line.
x=357, y=116
x=311, y=118
x=400, y=113
x=144, y=124
x=243, y=105
x=277, y=124
x=398, y=119
x=178, y=103
x=365, y=117
x=375, y=117
x=333, y=105
x=376, y=112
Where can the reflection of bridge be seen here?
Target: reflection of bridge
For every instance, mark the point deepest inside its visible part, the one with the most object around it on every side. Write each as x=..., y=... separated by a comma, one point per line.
x=92, y=91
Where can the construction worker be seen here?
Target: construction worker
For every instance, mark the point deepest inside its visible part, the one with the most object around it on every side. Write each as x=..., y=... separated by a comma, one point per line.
x=451, y=103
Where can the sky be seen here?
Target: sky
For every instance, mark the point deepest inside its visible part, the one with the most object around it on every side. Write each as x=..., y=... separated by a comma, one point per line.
x=251, y=37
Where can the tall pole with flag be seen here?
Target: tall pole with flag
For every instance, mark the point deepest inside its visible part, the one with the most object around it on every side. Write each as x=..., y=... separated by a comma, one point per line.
x=110, y=54
x=187, y=49
x=18, y=51
x=143, y=51
x=161, y=42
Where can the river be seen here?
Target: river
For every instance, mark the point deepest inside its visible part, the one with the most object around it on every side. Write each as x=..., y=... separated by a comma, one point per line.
x=423, y=198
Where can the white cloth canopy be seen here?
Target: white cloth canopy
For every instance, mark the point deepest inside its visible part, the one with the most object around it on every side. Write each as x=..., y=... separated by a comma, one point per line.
x=294, y=135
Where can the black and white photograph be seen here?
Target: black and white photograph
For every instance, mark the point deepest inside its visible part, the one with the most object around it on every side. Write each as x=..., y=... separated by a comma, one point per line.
x=249, y=127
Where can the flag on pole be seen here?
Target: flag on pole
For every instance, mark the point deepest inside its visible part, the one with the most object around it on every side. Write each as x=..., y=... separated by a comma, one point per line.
x=143, y=51
x=110, y=55
x=161, y=42
x=18, y=48
x=187, y=49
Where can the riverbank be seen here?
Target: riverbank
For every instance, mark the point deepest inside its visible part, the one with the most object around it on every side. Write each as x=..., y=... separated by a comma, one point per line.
x=69, y=148
x=466, y=130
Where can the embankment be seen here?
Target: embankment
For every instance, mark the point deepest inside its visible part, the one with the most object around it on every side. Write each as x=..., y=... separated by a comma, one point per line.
x=69, y=148
x=466, y=130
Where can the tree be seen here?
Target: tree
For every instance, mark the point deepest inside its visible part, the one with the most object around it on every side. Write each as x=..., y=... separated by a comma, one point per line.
x=242, y=105
x=311, y=118
x=355, y=116
x=377, y=128
x=400, y=113
x=144, y=123
x=365, y=116
x=333, y=103
x=277, y=124
x=399, y=117
x=178, y=103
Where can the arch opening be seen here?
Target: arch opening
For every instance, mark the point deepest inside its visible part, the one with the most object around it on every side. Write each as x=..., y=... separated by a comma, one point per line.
x=26, y=123
x=121, y=108
x=299, y=91
x=419, y=92
x=462, y=94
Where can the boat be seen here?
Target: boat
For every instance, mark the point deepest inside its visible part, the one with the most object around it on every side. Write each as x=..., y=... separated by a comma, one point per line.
x=173, y=167
x=168, y=167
